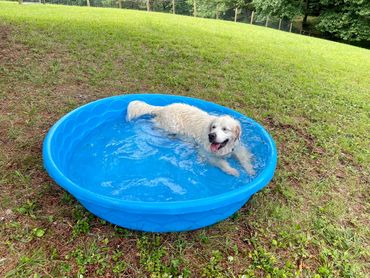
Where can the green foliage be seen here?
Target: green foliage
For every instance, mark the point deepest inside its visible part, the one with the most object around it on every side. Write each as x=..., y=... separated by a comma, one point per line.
x=28, y=208
x=67, y=198
x=265, y=263
x=92, y=255
x=214, y=268
x=152, y=256
x=344, y=20
x=280, y=8
x=82, y=226
x=83, y=217
x=218, y=8
x=348, y=20
x=69, y=2
x=28, y=265
x=119, y=265
x=108, y=3
x=39, y=232
x=183, y=7
x=210, y=8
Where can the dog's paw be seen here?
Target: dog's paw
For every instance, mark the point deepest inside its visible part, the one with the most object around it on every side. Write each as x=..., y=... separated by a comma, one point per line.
x=233, y=172
x=251, y=171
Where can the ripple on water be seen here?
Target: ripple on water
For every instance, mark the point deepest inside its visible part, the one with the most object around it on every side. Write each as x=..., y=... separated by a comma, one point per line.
x=139, y=162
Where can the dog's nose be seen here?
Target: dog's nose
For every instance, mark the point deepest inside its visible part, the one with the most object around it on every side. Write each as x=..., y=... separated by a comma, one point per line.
x=212, y=137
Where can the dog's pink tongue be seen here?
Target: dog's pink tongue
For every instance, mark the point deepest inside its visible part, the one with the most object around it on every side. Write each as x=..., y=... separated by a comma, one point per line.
x=214, y=147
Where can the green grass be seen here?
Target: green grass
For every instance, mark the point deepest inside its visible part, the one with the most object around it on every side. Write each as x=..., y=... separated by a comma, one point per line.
x=312, y=95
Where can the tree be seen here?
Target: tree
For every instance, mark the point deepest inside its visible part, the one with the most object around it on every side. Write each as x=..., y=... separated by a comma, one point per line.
x=347, y=20
x=207, y=8
x=280, y=8
x=238, y=5
x=217, y=8
x=184, y=7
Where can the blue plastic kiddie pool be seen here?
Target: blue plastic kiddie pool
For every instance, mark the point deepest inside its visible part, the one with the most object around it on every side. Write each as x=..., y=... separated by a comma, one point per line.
x=136, y=176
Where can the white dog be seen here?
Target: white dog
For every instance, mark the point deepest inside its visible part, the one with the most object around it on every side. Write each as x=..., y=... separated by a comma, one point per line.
x=218, y=136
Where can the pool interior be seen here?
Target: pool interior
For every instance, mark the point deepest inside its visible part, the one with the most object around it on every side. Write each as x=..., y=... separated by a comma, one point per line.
x=136, y=161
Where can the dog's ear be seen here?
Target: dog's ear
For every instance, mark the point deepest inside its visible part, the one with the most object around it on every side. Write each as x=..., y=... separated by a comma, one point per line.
x=210, y=126
x=237, y=132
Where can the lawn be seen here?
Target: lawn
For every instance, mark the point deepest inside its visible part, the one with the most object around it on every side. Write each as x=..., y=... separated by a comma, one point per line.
x=312, y=95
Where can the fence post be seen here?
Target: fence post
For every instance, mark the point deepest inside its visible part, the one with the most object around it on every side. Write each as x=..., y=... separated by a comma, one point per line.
x=236, y=14
x=279, y=23
x=173, y=7
x=252, y=17
x=290, y=28
x=267, y=21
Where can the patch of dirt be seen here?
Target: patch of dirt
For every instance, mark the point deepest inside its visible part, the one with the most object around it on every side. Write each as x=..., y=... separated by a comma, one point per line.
x=9, y=52
x=309, y=139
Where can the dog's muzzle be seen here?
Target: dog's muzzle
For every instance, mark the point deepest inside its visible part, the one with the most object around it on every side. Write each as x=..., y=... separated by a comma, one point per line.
x=217, y=146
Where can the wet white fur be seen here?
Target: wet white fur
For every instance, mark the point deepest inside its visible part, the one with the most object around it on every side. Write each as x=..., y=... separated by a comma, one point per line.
x=189, y=121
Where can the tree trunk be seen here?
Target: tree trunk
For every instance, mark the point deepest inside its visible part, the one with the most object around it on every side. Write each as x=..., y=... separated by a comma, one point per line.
x=120, y=4
x=88, y=2
x=279, y=23
x=217, y=12
x=194, y=8
x=304, y=22
x=148, y=5
x=173, y=7
x=267, y=21
x=20, y=1
x=252, y=17
x=236, y=14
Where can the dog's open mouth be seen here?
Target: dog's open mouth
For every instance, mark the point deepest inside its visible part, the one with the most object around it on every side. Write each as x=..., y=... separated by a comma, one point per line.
x=216, y=146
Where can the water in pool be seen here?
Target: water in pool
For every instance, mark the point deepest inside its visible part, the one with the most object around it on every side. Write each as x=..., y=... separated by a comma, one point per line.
x=137, y=161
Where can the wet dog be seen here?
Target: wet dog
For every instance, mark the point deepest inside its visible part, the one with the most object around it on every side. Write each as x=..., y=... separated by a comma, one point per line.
x=218, y=136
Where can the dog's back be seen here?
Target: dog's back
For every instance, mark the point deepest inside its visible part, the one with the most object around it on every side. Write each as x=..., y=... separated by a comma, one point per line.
x=178, y=118
x=139, y=108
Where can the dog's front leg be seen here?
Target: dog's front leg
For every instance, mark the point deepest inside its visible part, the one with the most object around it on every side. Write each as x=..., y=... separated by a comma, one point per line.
x=224, y=166
x=245, y=159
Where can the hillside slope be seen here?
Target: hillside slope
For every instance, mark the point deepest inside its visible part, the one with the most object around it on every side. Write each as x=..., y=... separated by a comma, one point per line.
x=312, y=95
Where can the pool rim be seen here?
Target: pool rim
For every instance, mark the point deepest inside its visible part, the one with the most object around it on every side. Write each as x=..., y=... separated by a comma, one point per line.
x=242, y=193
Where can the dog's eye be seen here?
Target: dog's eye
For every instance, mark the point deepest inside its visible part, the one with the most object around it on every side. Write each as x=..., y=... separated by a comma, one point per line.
x=213, y=127
x=224, y=129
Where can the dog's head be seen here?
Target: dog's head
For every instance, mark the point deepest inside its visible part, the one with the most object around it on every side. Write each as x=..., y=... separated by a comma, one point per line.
x=223, y=134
